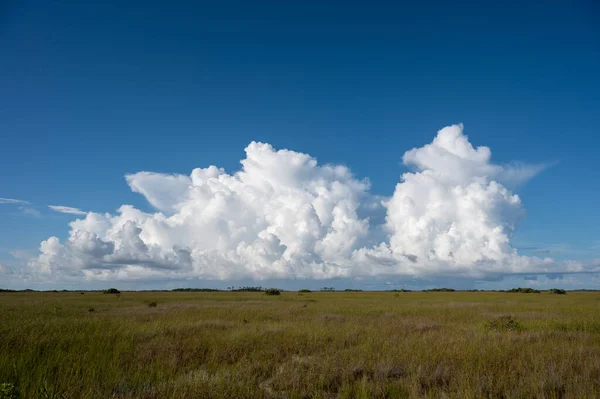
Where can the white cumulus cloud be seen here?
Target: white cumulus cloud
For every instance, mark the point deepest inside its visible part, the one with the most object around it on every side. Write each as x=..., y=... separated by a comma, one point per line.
x=282, y=215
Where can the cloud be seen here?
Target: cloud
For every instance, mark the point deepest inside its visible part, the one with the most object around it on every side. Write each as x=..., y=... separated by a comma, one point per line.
x=283, y=215
x=12, y=201
x=23, y=254
x=453, y=158
x=67, y=209
x=29, y=211
x=24, y=207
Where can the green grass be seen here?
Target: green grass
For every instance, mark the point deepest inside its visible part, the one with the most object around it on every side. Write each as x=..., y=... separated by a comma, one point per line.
x=317, y=344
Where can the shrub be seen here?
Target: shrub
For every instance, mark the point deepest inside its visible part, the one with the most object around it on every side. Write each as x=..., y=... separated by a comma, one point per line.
x=504, y=323
x=90, y=309
x=247, y=289
x=305, y=290
x=152, y=305
x=272, y=291
x=524, y=290
x=440, y=290
x=112, y=291
x=557, y=291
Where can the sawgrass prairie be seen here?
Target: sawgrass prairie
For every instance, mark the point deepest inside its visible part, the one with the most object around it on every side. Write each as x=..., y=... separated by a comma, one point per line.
x=299, y=345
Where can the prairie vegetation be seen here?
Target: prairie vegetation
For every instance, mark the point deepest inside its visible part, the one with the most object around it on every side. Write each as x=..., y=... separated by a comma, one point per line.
x=318, y=344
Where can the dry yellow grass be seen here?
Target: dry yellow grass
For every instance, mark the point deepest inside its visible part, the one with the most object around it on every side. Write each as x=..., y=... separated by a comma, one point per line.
x=320, y=345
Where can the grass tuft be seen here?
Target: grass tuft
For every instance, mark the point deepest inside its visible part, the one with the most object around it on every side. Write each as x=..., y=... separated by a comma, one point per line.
x=504, y=323
x=8, y=391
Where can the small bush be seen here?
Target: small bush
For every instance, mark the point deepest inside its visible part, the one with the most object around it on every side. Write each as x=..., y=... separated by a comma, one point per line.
x=247, y=289
x=112, y=291
x=272, y=291
x=305, y=290
x=90, y=309
x=557, y=291
x=152, y=305
x=440, y=290
x=504, y=323
x=524, y=290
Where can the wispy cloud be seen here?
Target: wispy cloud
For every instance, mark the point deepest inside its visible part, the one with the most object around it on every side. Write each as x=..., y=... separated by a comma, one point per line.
x=12, y=201
x=561, y=249
x=22, y=254
x=29, y=211
x=25, y=207
x=67, y=209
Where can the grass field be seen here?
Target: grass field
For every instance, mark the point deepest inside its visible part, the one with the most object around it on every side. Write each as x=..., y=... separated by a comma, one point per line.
x=321, y=345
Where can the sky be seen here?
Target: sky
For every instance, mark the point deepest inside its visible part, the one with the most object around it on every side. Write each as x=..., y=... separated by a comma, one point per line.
x=299, y=144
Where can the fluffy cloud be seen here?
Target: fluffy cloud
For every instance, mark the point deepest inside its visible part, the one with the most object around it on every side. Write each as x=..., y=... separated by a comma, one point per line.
x=453, y=214
x=282, y=215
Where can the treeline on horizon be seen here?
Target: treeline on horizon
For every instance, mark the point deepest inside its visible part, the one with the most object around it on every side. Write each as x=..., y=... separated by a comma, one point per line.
x=304, y=290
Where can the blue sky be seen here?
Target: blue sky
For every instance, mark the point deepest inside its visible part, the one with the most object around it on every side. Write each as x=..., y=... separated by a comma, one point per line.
x=92, y=92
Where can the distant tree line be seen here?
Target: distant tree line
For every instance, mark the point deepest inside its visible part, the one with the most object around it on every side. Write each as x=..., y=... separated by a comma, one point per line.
x=246, y=289
x=524, y=290
x=557, y=291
